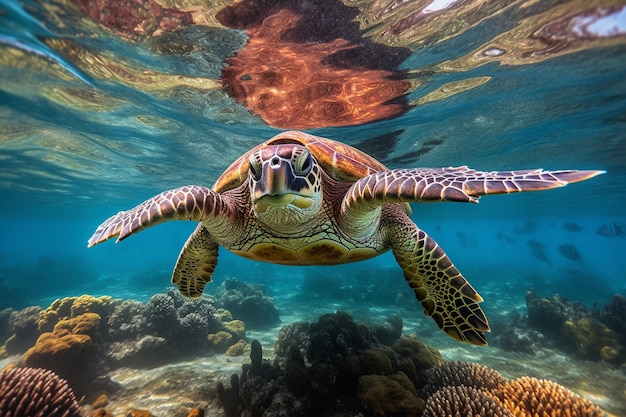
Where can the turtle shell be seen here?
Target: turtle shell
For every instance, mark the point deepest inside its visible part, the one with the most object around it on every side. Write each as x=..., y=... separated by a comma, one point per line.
x=342, y=162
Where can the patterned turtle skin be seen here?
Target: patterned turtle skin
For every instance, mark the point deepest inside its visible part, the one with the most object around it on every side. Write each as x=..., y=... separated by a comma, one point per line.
x=299, y=199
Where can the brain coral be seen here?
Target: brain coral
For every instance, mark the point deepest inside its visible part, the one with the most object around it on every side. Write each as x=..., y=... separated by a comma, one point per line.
x=33, y=392
x=69, y=350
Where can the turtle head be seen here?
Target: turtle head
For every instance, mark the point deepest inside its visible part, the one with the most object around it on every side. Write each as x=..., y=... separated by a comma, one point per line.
x=285, y=185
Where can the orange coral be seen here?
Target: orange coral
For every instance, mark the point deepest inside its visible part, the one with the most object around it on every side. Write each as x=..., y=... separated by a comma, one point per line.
x=532, y=397
x=463, y=388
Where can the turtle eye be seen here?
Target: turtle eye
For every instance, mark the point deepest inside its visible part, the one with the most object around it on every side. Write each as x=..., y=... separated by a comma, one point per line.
x=303, y=163
x=255, y=168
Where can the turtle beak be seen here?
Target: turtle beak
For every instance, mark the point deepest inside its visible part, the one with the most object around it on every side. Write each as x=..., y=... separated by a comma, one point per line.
x=279, y=187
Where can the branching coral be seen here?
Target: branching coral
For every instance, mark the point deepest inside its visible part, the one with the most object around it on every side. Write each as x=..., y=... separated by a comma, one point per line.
x=532, y=397
x=461, y=401
x=33, y=392
x=456, y=373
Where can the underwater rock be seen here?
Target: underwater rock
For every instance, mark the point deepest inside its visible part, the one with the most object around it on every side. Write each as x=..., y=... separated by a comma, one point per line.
x=145, y=351
x=387, y=396
x=248, y=302
x=69, y=350
x=36, y=392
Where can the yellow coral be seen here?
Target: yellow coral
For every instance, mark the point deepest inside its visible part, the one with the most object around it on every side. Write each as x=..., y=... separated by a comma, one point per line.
x=237, y=349
x=236, y=327
x=532, y=397
x=221, y=340
x=69, y=307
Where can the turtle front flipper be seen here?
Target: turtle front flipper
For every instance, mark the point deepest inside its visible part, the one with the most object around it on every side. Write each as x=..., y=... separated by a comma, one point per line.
x=191, y=202
x=196, y=263
x=450, y=184
x=444, y=293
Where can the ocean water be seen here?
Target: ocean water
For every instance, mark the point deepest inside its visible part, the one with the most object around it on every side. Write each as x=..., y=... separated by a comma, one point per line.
x=104, y=104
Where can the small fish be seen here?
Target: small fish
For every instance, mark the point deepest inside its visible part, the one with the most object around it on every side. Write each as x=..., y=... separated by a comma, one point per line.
x=572, y=227
x=570, y=252
x=534, y=244
x=611, y=230
x=541, y=255
x=528, y=227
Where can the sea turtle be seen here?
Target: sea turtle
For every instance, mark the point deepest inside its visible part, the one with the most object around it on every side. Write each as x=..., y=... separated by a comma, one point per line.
x=299, y=199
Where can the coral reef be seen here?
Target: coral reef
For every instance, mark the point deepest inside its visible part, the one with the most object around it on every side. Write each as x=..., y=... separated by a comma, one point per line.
x=456, y=373
x=461, y=400
x=22, y=325
x=462, y=389
x=248, y=302
x=331, y=366
x=36, y=392
x=386, y=396
x=69, y=350
x=598, y=334
x=529, y=397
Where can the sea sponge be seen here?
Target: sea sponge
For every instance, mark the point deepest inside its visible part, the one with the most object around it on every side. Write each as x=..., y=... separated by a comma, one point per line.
x=33, y=392
x=456, y=373
x=461, y=401
x=386, y=396
x=532, y=397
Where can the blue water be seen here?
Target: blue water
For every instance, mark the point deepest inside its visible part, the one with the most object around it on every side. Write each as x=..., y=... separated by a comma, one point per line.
x=94, y=120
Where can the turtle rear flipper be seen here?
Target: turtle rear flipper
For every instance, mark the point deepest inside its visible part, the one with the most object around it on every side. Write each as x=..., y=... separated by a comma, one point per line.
x=444, y=293
x=196, y=263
